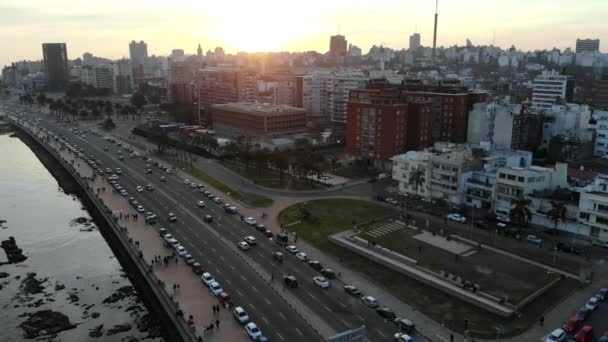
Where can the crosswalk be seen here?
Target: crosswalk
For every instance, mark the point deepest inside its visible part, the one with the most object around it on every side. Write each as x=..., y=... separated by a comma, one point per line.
x=386, y=229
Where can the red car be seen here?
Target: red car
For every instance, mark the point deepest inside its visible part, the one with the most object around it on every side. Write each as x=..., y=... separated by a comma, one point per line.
x=225, y=300
x=572, y=324
x=268, y=233
x=585, y=334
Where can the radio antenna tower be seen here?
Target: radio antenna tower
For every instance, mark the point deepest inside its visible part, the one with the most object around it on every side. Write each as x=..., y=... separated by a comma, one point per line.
x=435, y=30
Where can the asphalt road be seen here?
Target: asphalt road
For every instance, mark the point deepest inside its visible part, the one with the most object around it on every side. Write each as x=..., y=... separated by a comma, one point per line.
x=275, y=317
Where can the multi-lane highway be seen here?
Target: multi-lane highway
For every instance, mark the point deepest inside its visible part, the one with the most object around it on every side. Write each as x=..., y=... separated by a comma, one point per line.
x=214, y=246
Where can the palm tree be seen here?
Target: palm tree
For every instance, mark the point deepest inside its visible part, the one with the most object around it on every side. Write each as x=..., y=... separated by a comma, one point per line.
x=109, y=111
x=520, y=213
x=280, y=160
x=417, y=178
x=557, y=213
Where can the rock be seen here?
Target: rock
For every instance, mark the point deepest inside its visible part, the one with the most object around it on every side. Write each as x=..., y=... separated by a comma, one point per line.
x=59, y=287
x=97, y=331
x=73, y=298
x=120, y=294
x=32, y=285
x=95, y=314
x=118, y=328
x=3, y=275
x=45, y=322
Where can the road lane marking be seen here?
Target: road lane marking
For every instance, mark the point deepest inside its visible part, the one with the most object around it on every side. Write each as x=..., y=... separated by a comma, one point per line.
x=285, y=318
x=312, y=296
x=326, y=308
x=281, y=337
x=345, y=323
x=267, y=301
x=265, y=320
x=254, y=289
x=299, y=332
x=239, y=292
x=343, y=305
x=229, y=282
x=380, y=332
x=361, y=318
x=253, y=307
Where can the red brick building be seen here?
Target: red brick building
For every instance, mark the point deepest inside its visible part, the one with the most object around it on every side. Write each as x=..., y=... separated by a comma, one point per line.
x=389, y=119
x=257, y=120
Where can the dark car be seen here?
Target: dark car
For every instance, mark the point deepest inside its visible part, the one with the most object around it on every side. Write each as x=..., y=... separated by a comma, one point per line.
x=328, y=273
x=163, y=231
x=352, y=290
x=568, y=248
x=481, y=224
x=290, y=281
x=208, y=218
x=260, y=228
x=582, y=313
x=385, y=312
x=278, y=256
x=404, y=325
x=315, y=265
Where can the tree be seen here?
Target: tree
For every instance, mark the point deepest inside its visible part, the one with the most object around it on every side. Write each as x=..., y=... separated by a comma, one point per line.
x=417, y=178
x=138, y=100
x=41, y=99
x=261, y=159
x=280, y=161
x=557, y=213
x=108, y=124
x=520, y=213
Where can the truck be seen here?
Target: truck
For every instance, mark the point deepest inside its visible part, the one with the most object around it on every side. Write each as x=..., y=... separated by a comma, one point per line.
x=282, y=239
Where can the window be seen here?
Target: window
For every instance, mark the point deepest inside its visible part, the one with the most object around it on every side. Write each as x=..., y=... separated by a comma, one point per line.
x=584, y=216
x=510, y=177
x=520, y=179
x=501, y=175
x=601, y=220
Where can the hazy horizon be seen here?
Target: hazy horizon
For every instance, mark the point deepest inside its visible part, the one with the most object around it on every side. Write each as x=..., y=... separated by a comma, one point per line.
x=273, y=25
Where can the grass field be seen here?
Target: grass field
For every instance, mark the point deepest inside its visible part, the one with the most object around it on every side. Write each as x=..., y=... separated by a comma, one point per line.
x=335, y=215
x=270, y=178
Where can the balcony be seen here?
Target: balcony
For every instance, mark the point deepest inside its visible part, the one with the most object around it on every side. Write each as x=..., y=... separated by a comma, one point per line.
x=481, y=183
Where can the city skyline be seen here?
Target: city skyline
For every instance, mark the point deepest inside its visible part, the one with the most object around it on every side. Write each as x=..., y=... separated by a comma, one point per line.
x=273, y=26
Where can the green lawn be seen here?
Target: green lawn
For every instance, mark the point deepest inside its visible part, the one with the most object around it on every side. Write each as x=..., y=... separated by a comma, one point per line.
x=270, y=178
x=353, y=172
x=334, y=215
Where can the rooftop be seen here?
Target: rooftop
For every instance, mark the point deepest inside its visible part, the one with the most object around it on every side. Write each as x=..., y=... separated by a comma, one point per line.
x=259, y=108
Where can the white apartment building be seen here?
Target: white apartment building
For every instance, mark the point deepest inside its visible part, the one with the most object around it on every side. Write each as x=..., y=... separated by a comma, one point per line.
x=515, y=182
x=104, y=77
x=547, y=89
x=601, y=133
x=565, y=119
x=492, y=122
x=593, y=210
x=123, y=76
x=404, y=165
x=327, y=94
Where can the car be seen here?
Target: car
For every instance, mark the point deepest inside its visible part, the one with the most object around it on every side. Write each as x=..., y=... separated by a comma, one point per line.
x=457, y=218
x=328, y=273
x=174, y=243
x=197, y=268
x=253, y=331
x=602, y=294
x=243, y=245
x=124, y=192
x=163, y=231
x=585, y=334
x=108, y=170
x=321, y=282
x=206, y=193
x=193, y=185
x=215, y=288
x=149, y=187
x=208, y=218
x=352, y=290
x=169, y=171
x=277, y=256
x=592, y=303
x=139, y=188
x=189, y=259
x=163, y=179
x=187, y=181
x=404, y=325
x=240, y=315
x=370, y=301
x=269, y=234
x=118, y=170
x=391, y=200
x=315, y=265
x=250, y=240
x=172, y=217
x=250, y=220
x=568, y=248
x=603, y=338
x=225, y=300
x=181, y=250
x=386, y=312
x=260, y=227
x=402, y=337
x=572, y=324
x=557, y=335
x=302, y=256
x=200, y=204
x=290, y=281
x=582, y=313
x=534, y=239
x=148, y=171
x=167, y=237
x=501, y=225
x=217, y=200
x=230, y=209
x=105, y=148
x=140, y=209
x=207, y=278
x=292, y=249
x=481, y=224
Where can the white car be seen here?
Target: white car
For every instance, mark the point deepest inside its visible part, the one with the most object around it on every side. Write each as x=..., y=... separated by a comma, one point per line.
x=169, y=171
x=167, y=237
x=181, y=250
x=200, y=204
x=321, y=282
x=118, y=170
x=370, y=301
x=592, y=303
x=207, y=278
x=401, y=337
x=215, y=288
x=124, y=192
x=243, y=245
x=250, y=240
x=302, y=256
x=557, y=335
x=174, y=243
x=186, y=181
x=240, y=315
x=250, y=221
x=193, y=185
x=292, y=249
x=139, y=188
x=457, y=218
x=253, y=331
x=172, y=217
x=217, y=200
x=140, y=209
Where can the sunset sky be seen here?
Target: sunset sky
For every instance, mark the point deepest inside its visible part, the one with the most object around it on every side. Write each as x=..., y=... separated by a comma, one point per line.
x=105, y=28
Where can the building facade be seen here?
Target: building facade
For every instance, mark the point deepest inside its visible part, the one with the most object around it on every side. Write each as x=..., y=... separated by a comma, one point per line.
x=56, y=65
x=138, y=53
x=551, y=88
x=587, y=45
x=492, y=122
x=593, y=209
x=123, y=77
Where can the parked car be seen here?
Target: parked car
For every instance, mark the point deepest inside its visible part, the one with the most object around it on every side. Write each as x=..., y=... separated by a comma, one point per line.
x=404, y=325
x=582, y=313
x=534, y=239
x=391, y=200
x=572, y=324
x=250, y=240
x=240, y=315
x=602, y=244
x=292, y=249
x=243, y=245
x=568, y=248
x=457, y=218
x=250, y=220
x=328, y=273
x=602, y=294
x=302, y=256
x=200, y=204
x=557, y=335
x=386, y=312
x=197, y=268
x=172, y=217
x=277, y=256
x=207, y=278
x=252, y=330
x=163, y=179
x=208, y=218
x=189, y=259
x=225, y=300
x=290, y=281
x=592, y=303
x=352, y=290
x=181, y=250
x=315, y=265
x=269, y=234
x=215, y=288
x=585, y=334
x=401, y=337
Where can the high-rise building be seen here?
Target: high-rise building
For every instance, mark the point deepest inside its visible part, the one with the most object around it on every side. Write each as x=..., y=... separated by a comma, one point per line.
x=104, y=77
x=589, y=45
x=177, y=53
x=138, y=53
x=338, y=47
x=415, y=42
x=599, y=96
x=550, y=88
x=9, y=75
x=56, y=65
x=123, y=77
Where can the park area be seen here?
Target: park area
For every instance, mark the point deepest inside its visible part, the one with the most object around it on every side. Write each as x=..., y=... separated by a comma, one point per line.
x=314, y=221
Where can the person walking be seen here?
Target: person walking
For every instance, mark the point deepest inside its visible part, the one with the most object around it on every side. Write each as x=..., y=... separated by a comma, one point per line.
x=217, y=323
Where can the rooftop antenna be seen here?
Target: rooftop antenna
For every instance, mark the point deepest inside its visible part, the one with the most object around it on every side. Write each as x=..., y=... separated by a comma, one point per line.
x=435, y=30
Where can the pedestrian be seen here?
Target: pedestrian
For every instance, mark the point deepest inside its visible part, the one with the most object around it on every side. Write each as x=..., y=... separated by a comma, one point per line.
x=199, y=339
x=541, y=320
x=176, y=259
x=211, y=327
x=177, y=287
x=217, y=323
x=174, y=288
x=213, y=309
x=451, y=337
